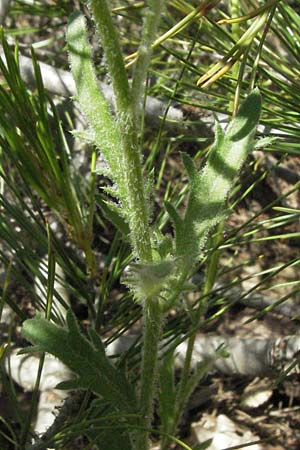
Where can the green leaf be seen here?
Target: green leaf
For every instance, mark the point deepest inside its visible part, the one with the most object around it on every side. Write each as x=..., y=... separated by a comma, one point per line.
x=114, y=438
x=209, y=188
x=265, y=142
x=191, y=169
x=147, y=280
x=96, y=340
x=87, y=360
x=93, y=103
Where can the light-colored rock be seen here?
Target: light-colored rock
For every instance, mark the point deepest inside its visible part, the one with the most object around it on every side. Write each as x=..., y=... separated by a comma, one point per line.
x=223, y=432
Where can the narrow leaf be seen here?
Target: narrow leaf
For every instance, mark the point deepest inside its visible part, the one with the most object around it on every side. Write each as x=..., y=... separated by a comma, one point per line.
x=190, y=167
x=91, y=98
x=210, y=187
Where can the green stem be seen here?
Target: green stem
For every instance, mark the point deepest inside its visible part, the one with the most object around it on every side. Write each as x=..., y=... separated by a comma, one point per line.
x=152, y=332
x=180, y=395
x=90, y=257
x=235, y=31
x=114, y=57
x=241, y=71
x=212, y=266
x=260, y=47
x=235, y=12
x=137, y=205
x=138, y=216
x=92, y=195
x=151, y=22
x=127, y=105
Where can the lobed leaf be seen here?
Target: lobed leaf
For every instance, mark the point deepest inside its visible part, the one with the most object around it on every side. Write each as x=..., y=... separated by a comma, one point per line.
x=86, y=359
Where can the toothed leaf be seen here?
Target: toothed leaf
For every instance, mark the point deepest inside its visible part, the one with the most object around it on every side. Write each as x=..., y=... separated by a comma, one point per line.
x=265, y=142
x=111, y=190
x=96, y=340
x=93, y=369
x=191, y=169
x=210, y=187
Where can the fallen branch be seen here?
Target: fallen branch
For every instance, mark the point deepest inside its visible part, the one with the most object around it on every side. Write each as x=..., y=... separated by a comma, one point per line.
x=247, y=357
x=287, y=308
x=256, y=300
x=60, y=82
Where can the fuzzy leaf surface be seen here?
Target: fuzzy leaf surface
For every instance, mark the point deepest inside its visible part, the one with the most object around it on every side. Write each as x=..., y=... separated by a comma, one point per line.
x=210, y=187
x=93, y=103
x=86, y=359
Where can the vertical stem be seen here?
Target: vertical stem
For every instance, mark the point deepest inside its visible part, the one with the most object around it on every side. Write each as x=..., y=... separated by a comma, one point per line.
x=235, y=27
x=128, y=121
x=241, y=72
x=260, y=47
x=151, y=312
x=139, y=214
x=138, y=211
x=235, y=12
x=90, y=257
x=152, y=332
x=180, y=394
x=114, y=57
x=151, y=22
x=92, y=195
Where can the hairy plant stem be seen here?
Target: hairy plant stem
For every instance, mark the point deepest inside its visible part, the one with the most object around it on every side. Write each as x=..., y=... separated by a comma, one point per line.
x=113, y=54
x=151, y=311
x=181, y=398
x=138, y=212
x=151, y=22
x=127, y=107
x=152, y=333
